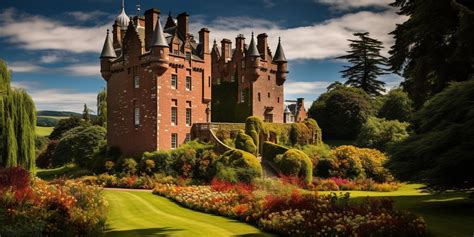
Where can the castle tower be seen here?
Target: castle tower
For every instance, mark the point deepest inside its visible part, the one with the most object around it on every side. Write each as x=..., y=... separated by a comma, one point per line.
x=155, y=94
x=248, y=80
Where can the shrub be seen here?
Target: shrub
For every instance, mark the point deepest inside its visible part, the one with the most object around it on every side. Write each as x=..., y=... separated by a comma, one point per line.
x=129, y=166
x=15, y=177
x=295, y=163
x=300, y=134
x=396, y=105
x=341, y=112
x=40, y=144
x=381, y=134
x=238, y=166
x=316, y=153
x=253, y=127
x=79, y=145
x=162, y=159
x=271, y=150
x=45, y=159
x=245, y=142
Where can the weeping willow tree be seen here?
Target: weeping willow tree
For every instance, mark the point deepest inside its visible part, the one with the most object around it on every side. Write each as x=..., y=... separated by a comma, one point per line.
x=17, y=124
x=102, y=108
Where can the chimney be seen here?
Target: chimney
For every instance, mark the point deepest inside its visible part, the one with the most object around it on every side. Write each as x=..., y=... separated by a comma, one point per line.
x=262, y=46
x=117, y=36
x=204, y=40
x=183, y=24
x=240, y=42
x=226, y=49
x=151, y=16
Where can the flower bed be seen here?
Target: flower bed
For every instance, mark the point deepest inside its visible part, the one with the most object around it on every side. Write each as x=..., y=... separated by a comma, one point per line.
x=360, y=184
x=296, y=213
x=63, y=208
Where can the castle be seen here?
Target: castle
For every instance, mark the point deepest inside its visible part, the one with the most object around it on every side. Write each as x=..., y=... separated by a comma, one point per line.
x=160, y=81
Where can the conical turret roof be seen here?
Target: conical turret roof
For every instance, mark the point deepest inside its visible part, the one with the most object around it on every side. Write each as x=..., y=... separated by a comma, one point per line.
x=279, y=54
x=253, y=51
x=108, y=50
x=159, y=38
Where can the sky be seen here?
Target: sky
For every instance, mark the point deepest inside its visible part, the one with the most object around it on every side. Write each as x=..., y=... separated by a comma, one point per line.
x=53, y=46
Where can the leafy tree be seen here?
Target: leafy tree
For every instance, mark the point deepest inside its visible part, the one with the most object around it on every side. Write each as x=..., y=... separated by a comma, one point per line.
x=396, y=105
x=79, y=145
x=340, y=113
x=86, y=113
x=440, y=153
x=380, y=133
x=334, y=85
x=17, y=124
x=102, y=108
x=434, y=46
x=65, y=125
x=366, y=63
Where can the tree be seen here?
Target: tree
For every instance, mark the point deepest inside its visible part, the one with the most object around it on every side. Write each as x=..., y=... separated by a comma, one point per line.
x=380, y=133
x=434, y=46
x=79, y=145
x=17, y=124
x=396, y=105
x=86, y=113
x=440, y=153
x=366, y=63
x=65, y=125
x=334, y=85
x=340, y=113
x=102, y=108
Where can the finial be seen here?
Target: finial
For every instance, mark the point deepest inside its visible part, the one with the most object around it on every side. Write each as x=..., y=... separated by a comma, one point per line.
x=279, y=39
x=123, y=4
x=215, y=42
x=107, y=31
x=138, y=9
x=252, y=34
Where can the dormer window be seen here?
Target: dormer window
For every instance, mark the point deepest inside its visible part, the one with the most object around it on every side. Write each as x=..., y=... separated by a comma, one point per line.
x=188, y=56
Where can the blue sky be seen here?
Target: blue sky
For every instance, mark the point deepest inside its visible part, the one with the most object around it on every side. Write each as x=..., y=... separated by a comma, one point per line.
x=52, y=46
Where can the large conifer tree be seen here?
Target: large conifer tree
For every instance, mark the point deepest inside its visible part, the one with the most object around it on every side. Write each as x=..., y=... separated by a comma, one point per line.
x=367, y=64
x=17, y=124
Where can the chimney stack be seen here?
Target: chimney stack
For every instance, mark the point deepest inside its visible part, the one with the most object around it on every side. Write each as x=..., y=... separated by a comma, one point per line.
x=151, y=17
x=204, y=40
x=262, y=46
x=226, y=49
x=117, y=35
x=183, y=24
x=240, y=42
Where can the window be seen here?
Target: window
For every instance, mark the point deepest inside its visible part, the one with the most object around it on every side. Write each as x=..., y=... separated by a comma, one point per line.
x=242, y=96
x=269, y=77
x=259, y=96
x=209, y=81
x=232, y=78
x=242, y=65
x=218, y=81
x=188, y=83
x=174, y=115
x=188, y=56
x=162, y=52
x=278, y=100
x=136, y=116
x=136, y=82
x=243, y=78
x=268, y=118
x=188, y=117
x=188, y=137
x=176, y=51
x=174, y=81
x=174, y=140
x=268, y=94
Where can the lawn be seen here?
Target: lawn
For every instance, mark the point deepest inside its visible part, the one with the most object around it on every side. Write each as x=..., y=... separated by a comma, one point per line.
x=44, y=131
x=140, y=213
x=449, y=214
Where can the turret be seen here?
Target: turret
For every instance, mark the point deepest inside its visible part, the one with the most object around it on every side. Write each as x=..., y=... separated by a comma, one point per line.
x=282, y=63
x=106, y=57
x=253, y=59
x=159, y=49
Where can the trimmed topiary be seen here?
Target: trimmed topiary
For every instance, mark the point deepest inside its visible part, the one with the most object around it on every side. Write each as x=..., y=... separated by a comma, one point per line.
x=271, y=150
x=245, y=142
x=238, y=166
x=253, y=126
x=295, y=163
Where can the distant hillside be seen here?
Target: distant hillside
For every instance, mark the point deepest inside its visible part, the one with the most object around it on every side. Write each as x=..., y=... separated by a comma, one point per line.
x=58, y=113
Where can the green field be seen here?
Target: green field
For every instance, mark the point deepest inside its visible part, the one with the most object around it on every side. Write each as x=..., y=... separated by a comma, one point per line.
x=448, y=214
x=44, y=131
x=140, y=213
x=68, y=171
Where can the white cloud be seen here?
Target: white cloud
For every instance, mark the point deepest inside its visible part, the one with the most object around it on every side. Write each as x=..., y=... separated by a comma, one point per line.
x=352, y=4
x=83, y=69
x=24, y=67
x=321, y=40
x=40, y=33
x=50, y=58
x=300, y=87
x=87, y=16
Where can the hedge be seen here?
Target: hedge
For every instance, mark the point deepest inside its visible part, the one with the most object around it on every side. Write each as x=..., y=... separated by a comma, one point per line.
x=245, y=142
x=238, y=166
x=253, y=126
x=271, y=150
x=295, y=163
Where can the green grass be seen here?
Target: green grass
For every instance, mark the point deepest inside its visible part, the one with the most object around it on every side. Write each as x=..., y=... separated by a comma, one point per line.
x=68, y=171
x=54, y=117
x=135, y=213
x=44, y=131
x=447, y=214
